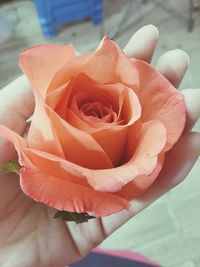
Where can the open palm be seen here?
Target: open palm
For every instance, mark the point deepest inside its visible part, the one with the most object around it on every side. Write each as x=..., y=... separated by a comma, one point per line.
x=29, y=236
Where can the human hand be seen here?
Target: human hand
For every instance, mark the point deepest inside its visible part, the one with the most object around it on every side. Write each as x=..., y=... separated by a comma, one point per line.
x=29, y=236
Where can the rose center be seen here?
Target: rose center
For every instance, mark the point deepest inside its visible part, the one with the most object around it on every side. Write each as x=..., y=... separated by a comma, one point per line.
x=95, y=109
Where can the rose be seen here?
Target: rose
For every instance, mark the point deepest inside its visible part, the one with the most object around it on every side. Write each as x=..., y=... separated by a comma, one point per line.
x=101, y=127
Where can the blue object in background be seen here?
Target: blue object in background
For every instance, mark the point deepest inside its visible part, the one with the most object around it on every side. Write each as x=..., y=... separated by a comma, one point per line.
x=53, y=13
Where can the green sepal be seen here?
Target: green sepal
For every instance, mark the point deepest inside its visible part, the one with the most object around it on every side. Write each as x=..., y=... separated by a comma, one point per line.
x=73, y=216
x=12, y=166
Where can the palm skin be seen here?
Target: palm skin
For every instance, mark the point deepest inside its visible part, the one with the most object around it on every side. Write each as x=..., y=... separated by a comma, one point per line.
x=29, y=236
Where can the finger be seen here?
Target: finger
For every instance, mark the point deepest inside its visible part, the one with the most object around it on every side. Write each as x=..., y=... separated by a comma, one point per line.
x=16, y=104
x=173, y=65
x=192, y=103
x=143, y=43
x=179, y=161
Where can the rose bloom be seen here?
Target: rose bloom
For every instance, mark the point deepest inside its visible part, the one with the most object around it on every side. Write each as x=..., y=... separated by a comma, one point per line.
x=100, y=130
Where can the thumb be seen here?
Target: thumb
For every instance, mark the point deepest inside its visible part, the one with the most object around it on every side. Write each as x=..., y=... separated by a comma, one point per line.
x=16, y=104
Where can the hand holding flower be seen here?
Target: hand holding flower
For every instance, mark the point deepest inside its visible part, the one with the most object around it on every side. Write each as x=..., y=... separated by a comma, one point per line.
x=115, y=191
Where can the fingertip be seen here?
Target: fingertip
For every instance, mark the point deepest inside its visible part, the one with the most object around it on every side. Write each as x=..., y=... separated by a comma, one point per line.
x=143, y=43
x=151, y=28
x=173, y=65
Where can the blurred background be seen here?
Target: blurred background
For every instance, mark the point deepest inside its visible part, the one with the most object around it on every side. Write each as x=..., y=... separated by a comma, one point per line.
x=169, y=230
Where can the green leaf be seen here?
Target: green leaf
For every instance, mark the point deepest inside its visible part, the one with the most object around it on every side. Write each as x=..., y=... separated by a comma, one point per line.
x=12, y=166
x=73, y=216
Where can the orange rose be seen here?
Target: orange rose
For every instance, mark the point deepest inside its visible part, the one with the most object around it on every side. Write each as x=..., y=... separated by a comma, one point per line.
x=101, y=127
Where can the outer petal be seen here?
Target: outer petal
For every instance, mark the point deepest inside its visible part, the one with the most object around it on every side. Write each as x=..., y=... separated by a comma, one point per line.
x=150, y=144
x=55, y=166
x=41, y=62
x=141, y=183
x=64, y=195
x=160, y=100
x=41, y=134
x=108, y=64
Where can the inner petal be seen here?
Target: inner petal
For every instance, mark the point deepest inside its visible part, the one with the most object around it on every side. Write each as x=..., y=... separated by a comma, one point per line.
x=99, y=111
x=96, y=109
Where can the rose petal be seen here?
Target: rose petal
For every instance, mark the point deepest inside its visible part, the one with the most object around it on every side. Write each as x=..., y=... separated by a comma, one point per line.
x=77, y=122
x=79, y=147
x=150, y=144
x=160, y=100
x=140, y=184
x=42, y=135
x=54, y=98
x=113, y=142
x=55, y=166
x=64, y=195
x=61, y=106
x=132, y=139
x=108, y=64
x=41, y=62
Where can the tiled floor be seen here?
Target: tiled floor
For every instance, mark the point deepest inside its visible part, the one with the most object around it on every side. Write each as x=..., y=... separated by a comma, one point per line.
x=169, y=230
